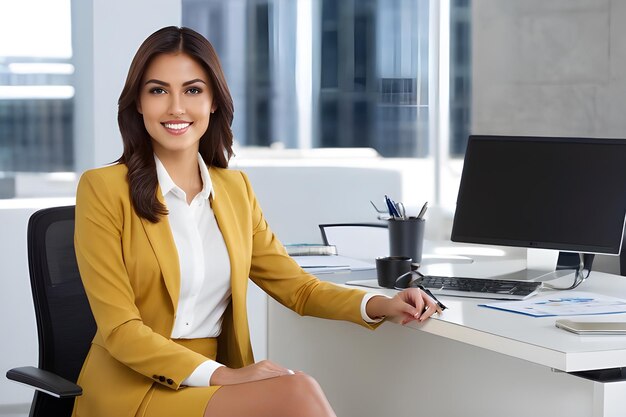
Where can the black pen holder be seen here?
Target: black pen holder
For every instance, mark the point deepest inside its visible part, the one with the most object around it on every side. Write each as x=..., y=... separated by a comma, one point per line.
x=406, y=238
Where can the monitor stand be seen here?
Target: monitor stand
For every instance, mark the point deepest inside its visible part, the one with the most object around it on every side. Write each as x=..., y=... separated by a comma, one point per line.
x=542, y=259
x=546, y=265
x=542, y=265
x=533, y=275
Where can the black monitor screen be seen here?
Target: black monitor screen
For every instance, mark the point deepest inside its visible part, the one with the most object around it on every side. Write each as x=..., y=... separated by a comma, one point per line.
x=566, y=194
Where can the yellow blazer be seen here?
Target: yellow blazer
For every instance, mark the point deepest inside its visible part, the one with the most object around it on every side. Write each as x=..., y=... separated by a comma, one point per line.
x=131, y=274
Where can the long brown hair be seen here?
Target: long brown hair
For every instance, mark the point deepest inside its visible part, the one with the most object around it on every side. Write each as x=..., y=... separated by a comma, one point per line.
x=215, y=144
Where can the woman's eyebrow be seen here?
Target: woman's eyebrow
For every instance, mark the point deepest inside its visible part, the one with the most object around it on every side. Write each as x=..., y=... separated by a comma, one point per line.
x=159, y=82
x=195, y=80
x=186, y=83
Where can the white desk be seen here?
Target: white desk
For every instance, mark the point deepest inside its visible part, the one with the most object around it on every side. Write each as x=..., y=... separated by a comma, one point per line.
x=471, y=361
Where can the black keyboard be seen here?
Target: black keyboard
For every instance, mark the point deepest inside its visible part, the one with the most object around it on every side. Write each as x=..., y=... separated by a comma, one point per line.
x=498, y=289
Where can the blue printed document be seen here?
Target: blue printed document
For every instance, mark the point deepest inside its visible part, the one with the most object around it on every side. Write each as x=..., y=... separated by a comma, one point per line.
x=563, y=303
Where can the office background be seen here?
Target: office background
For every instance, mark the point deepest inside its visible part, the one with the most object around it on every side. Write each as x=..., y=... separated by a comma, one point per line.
x=551, y=67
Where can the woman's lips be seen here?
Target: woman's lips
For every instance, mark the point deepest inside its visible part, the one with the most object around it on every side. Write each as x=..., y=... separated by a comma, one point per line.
x=176, y=127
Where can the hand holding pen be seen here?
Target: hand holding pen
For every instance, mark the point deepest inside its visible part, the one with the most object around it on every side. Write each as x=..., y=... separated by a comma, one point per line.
x=412, y=279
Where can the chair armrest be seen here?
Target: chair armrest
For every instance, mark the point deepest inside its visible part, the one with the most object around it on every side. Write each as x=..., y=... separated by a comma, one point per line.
x=44, y=381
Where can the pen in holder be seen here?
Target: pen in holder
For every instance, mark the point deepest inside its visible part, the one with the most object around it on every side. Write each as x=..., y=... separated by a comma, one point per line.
x=406, y=238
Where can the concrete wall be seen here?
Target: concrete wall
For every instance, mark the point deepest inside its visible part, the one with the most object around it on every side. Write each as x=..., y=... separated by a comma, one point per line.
x=549, y=67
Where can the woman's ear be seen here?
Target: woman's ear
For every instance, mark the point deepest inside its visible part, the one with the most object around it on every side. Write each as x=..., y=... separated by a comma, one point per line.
x=213, y=108
x=139, y=107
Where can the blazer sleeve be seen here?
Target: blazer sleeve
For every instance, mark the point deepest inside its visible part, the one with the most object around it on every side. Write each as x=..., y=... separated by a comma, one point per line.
x=100, y=216
x=281, y=277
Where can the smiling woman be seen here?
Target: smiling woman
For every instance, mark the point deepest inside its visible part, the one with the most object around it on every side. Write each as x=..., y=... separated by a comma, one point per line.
x=164, y=92
x=166, y=241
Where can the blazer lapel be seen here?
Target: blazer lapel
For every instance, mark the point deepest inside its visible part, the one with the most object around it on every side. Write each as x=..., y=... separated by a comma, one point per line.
x=162, y=242
x=224, y=210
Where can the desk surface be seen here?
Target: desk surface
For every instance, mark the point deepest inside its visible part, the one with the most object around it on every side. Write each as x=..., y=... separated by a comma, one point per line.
x=533, y=339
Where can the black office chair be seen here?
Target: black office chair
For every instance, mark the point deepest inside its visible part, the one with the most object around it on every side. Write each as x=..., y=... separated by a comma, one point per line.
x=65, y=325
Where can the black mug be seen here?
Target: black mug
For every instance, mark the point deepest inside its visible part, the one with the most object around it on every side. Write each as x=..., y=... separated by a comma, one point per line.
x=389, y=268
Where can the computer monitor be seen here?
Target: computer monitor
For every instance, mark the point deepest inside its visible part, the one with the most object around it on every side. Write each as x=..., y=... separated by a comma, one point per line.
x=566, y=194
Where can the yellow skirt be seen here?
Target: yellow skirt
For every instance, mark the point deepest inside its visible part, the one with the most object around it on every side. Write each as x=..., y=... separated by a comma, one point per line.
x=188, y=401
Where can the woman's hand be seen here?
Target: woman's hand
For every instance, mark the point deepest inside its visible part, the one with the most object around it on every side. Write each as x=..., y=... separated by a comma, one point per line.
x=408, y=305
x=255, y=372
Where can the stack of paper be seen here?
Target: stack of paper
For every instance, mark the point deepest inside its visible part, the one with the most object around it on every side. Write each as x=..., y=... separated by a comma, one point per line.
x=331, y=263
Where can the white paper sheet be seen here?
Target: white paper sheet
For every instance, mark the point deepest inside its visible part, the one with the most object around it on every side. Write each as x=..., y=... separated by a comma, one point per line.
x=563, y=303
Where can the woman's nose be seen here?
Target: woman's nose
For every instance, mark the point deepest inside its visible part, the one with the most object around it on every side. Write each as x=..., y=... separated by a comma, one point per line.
x=176, y=107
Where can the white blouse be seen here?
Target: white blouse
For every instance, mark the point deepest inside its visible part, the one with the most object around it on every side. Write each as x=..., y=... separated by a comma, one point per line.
x=204, y=266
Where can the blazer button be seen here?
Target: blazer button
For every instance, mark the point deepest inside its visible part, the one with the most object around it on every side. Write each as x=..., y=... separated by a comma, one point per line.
x=162, y=378
x=155, y=376
x=169, y=381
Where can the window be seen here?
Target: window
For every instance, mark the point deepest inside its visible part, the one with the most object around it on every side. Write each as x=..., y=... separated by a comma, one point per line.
x=36, y=92
x=343, y=74
x=460, y=76
x=370, y=88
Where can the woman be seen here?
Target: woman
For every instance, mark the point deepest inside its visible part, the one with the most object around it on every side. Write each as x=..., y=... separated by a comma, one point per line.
x=166, y=240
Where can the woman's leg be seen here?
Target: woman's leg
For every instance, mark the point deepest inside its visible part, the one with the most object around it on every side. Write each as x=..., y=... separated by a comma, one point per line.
x=296, y=395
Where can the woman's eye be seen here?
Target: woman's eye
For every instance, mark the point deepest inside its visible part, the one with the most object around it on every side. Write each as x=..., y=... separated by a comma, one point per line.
x=194, y=90
x=157, y=90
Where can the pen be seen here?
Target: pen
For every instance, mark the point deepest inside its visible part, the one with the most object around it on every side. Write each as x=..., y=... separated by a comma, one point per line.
x=392, y=208
x=401, y=211
x=423, y=210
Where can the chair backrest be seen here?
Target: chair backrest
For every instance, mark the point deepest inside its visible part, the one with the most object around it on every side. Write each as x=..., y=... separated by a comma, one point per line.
x=296, y=198
x=65, y=324
x=366, y=241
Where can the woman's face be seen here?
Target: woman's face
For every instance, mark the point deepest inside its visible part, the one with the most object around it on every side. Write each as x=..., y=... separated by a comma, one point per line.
x=176, y=102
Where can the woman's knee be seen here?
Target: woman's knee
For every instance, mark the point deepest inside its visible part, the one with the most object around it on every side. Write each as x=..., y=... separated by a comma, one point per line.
x=303, y=389
x=285, y=396
x=301, y=382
